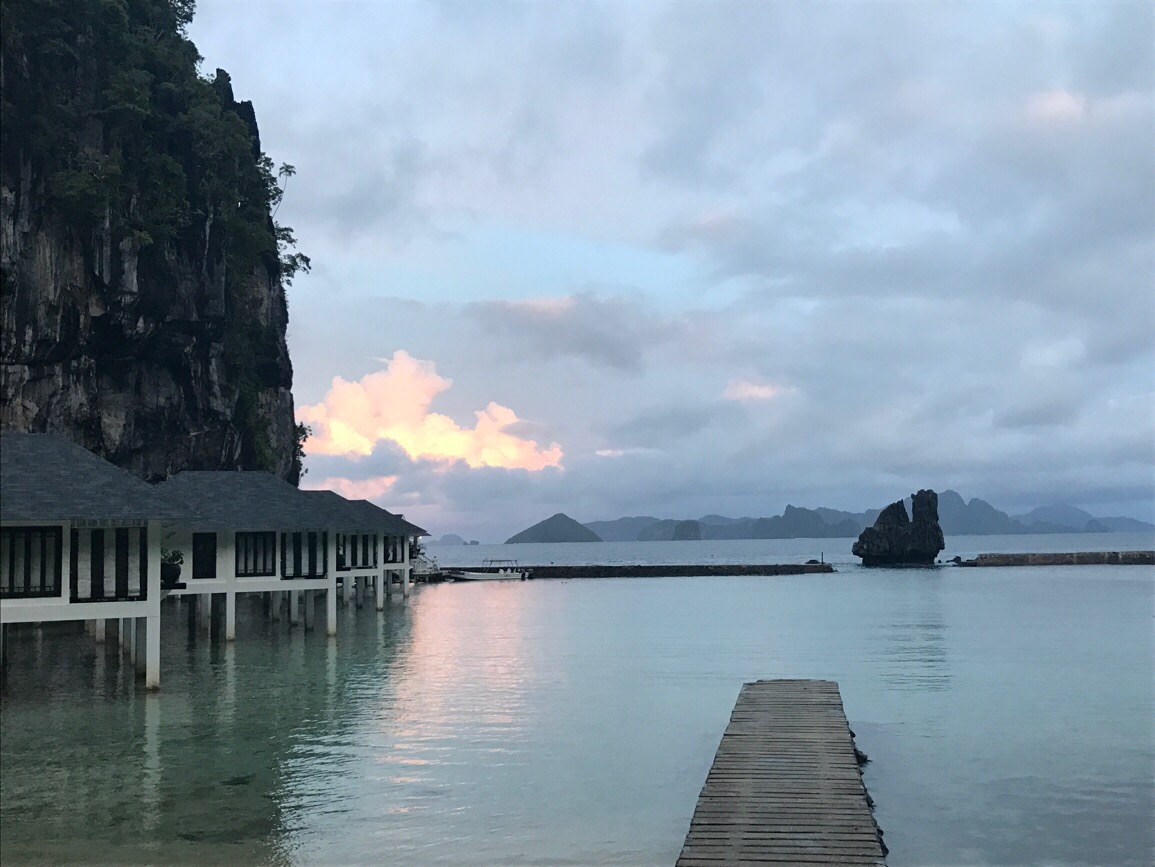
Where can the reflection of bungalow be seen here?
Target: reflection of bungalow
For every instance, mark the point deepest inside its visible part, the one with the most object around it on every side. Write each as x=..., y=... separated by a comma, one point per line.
x=256, y=534
x=371, y=545
x=63, y=508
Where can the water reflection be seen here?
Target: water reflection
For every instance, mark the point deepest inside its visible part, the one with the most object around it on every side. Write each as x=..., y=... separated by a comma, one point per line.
x=914, y=633
x=210, y=769
x=549, y=722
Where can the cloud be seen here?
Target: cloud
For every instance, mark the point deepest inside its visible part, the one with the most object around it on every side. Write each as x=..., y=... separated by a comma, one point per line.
x=393, y=404
x=354, y=489
x=744, y=390
x=632, y=222
x=607, y=332
x=1056, y=106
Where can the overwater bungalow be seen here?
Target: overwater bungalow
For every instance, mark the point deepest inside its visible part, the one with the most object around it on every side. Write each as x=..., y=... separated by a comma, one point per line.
x=80, y=540
x=372, y=546
x=255, y=533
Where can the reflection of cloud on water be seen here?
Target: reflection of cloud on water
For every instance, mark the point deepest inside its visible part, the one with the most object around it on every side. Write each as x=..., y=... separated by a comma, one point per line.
x=466, y=650
x=914, y=639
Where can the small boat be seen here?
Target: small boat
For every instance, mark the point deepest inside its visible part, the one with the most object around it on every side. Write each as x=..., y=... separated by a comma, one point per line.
x=425, y=568
x=491, y=570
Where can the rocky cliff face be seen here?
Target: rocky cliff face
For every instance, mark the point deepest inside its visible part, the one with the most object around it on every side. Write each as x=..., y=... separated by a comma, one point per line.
x=129, y=354
x=896, y=540
x=133, y=318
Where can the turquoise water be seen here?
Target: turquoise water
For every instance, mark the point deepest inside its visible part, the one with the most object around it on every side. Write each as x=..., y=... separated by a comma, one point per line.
x=1008, y=713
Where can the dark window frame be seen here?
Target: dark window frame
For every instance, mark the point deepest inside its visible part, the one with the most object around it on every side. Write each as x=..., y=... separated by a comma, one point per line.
x=255, y=554
x=303, y=554
x=31, y=538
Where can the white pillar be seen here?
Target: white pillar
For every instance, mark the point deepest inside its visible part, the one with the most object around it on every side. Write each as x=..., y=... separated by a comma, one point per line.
x=66, y=561
x=230, y=616
x=134, y=557
x=330, y=574
x=98, y=629
x=151, y=626
x=226, y=564
x=405, y=566
x=83, y=563
x=379, y=591
x=309, y=608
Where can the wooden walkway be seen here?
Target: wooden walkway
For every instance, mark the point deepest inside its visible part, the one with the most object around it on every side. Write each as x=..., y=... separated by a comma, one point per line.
x=785, y=786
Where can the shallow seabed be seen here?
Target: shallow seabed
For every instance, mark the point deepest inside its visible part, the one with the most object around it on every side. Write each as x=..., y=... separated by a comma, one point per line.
x=1008, y=713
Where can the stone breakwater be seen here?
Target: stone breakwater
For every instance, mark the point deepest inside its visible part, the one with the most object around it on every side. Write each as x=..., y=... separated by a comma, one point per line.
x=1076, y=558
x=677, y=571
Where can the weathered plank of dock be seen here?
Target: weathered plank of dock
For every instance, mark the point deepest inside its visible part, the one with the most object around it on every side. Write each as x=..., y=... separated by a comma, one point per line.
x=785, y=786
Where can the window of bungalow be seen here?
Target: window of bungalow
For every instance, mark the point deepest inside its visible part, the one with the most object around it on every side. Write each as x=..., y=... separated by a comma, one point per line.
x=303, y=554
x=256, y=554
x=30, y=561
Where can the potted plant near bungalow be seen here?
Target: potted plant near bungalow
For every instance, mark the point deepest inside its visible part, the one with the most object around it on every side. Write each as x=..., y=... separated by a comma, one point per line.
x=170, y=563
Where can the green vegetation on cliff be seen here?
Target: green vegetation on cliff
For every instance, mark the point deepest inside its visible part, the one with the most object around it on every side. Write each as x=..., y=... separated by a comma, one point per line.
x=104, y=106
x=112, y=142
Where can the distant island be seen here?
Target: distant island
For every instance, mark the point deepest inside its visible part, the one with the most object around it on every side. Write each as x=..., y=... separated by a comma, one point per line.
x=957, y=516
x=559, y=528
x=451, y=539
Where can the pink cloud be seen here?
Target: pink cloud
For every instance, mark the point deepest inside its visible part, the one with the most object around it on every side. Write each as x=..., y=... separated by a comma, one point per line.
x=394, y=404
x=744, y=390
x=353, y=489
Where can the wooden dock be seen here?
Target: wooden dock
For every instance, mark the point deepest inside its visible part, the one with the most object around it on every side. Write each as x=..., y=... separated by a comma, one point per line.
x=785, y=786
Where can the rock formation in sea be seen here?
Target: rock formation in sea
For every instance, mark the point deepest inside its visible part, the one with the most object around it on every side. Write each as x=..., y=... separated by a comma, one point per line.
x=896, y=540
x=141, y=274
x=559, y=528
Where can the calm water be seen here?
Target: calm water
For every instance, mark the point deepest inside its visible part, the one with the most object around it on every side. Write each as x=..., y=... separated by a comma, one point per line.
x=1008, y=713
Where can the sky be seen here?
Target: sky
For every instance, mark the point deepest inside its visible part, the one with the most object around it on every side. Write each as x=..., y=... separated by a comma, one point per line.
x=681, y=258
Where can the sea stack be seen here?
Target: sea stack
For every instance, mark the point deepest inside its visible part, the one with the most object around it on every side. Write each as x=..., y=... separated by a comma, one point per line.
x=896, y=540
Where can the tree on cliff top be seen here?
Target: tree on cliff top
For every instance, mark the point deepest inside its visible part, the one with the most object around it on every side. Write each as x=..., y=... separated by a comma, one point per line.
x=104, y=110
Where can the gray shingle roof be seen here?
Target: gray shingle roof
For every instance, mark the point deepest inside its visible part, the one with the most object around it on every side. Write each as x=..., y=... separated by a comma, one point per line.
x=47, y=477
x=363, y=516
x=245, y=500
x=395, y=524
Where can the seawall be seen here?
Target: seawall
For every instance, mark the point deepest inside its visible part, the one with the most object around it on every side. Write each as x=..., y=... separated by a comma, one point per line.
x=1074, y=558
x=680, y=570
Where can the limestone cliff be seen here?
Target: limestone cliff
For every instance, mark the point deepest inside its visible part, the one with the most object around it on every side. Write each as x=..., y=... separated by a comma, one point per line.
x=141, y=299
x=896, y=540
